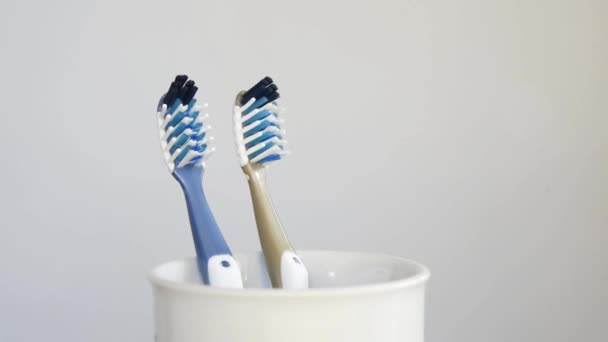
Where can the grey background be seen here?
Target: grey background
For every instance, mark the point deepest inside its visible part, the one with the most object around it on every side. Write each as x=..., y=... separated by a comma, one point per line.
x=468, y=135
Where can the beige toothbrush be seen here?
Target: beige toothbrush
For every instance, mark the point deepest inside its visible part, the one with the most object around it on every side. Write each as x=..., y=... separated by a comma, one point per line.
x=260, y=141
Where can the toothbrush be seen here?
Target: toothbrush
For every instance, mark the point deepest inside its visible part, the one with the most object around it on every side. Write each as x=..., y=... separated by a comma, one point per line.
x=260, y=141
x=184, y=142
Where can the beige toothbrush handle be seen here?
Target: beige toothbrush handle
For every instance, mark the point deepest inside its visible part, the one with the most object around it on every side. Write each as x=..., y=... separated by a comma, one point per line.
x=272, y=237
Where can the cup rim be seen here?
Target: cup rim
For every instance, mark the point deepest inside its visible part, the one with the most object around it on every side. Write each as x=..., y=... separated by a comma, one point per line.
x=420, y=277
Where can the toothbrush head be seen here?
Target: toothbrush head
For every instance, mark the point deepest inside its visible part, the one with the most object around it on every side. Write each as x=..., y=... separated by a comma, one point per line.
x=259, y=137
x=183, y=133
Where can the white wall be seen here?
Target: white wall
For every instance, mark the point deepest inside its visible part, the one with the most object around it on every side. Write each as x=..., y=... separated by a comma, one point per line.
x=469, y=135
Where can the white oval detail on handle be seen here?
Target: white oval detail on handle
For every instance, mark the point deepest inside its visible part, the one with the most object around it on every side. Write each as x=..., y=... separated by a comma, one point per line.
x=294, y=274
x=224, y=271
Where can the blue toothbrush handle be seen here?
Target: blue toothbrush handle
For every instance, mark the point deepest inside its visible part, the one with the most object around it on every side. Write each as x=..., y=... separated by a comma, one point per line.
x=214, y=258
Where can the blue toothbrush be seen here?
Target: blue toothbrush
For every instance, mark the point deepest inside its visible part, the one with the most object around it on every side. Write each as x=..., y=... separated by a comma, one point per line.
x=184, y=141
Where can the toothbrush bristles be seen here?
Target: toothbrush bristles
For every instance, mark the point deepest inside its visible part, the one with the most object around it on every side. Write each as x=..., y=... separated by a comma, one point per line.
x=274, y=96
x=182, y=126
x=257, y=89
x=171, y=95
x=190, y=94
x=180, y=80
x=264, y=82
x=181, y=88
x=259, y=132
x=184, y=90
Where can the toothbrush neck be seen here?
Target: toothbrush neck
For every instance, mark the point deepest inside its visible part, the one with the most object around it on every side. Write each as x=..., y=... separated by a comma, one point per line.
x=256, y=175
x=208, y=239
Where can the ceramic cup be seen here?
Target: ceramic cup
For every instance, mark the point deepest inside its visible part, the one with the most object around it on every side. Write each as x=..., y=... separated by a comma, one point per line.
x=354, y=297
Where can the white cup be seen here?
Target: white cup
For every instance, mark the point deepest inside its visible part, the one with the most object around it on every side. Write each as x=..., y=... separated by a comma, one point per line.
x=354, y=297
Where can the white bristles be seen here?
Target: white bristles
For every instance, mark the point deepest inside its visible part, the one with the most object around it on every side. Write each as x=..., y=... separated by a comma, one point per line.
x=246, y=105
x=275, y=129
x=170, y=144
x=202, y=118
x=165, y=122
x=166, y=131
x=209, y=151
x=197, y=108
x=256, y=148
x=272, y=119
x=161, y=113
x=238, y=134
x=175, y=154
x=276, y=141
x=250, y=115
x=205, y=141
x=251, y=126
x=252, y=138
x=273, y=150
x=188, y=132
x=269, y=107
x=273, y=108
x=189, y=156
x=277, y=144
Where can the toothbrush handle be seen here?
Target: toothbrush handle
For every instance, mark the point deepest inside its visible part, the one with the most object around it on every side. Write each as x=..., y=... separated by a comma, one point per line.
x=286, y=270
x=214, y=259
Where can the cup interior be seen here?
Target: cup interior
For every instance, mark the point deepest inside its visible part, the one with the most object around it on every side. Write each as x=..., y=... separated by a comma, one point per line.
x=327, y=269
